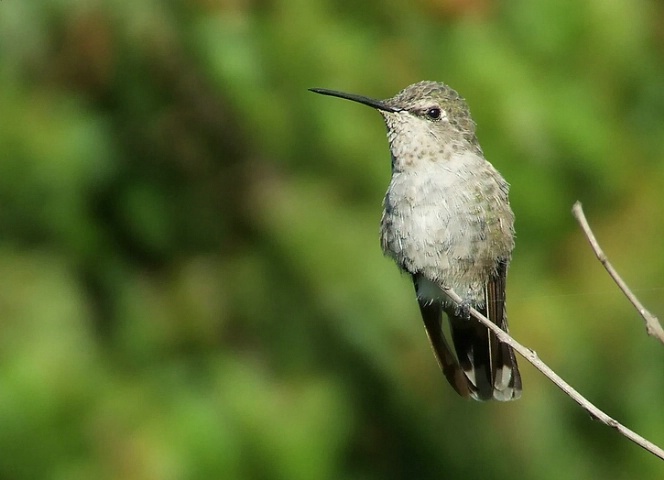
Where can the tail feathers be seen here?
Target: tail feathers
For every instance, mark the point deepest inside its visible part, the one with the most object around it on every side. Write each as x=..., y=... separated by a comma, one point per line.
x=507, y=379
x=471, y=343
x=432, y=314
x=488, y=364
x=481, y=367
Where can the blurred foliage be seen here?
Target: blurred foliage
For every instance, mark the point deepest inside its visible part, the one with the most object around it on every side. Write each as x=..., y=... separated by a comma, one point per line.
x=192, y=282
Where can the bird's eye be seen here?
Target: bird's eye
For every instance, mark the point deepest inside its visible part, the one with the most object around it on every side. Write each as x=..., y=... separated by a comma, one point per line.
x=433, y=113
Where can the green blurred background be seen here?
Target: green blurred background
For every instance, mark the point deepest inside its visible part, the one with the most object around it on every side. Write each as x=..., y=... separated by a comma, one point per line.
x=192, y=285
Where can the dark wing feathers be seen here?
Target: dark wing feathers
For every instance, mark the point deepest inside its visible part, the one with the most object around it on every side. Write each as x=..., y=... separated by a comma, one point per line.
x=483, y=367
x=432, y=316
x=505, y=371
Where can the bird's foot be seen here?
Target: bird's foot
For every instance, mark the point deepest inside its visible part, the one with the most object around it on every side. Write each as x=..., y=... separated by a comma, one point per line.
x=463, y=310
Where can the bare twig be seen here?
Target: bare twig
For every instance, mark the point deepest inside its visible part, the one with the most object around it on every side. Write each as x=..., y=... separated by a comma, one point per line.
x=532, y=357
x=653, y=327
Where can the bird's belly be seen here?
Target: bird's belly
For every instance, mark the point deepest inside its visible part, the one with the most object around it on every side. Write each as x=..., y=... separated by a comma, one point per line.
x=446, y=238
x=430, y=239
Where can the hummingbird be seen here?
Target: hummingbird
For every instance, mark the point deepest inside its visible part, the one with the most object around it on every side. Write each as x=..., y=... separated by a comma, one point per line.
x=447, y=222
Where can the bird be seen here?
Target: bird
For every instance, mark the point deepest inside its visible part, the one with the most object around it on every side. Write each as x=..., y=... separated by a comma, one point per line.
x=448, y=224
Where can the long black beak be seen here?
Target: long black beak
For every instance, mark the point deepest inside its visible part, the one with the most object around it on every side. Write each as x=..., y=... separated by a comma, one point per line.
x=378, y=104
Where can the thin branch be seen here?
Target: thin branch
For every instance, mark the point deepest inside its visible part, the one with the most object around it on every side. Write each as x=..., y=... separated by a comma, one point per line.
x=653, y=327
x=532, y=357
